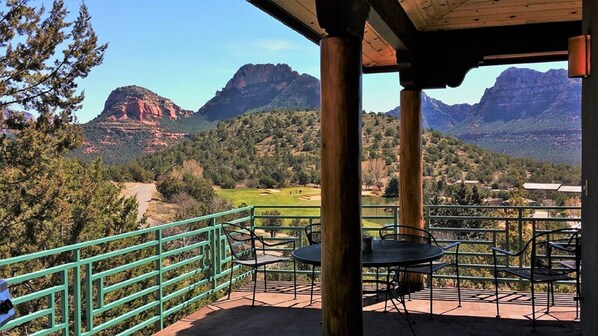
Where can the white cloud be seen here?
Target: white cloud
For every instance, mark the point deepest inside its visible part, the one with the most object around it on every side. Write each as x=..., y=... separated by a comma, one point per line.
x=273, y=45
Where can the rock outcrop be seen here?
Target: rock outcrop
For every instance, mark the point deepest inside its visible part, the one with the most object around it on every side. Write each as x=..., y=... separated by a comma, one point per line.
x=139, y=105
x=260, y=87
x=520, y=94
x=438, y=115
x=530, y=114
x=526, y=113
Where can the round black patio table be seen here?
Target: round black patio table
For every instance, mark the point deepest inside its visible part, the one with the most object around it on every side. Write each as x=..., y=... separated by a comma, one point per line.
x=384, y=253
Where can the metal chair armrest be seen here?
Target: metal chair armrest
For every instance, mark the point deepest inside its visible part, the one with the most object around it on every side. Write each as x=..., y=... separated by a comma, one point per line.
x=451, y=245
x=494, y=248
x=278, y=243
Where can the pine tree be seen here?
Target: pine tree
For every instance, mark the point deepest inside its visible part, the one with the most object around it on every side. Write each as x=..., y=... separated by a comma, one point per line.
x=42, y=56
x=392, y=189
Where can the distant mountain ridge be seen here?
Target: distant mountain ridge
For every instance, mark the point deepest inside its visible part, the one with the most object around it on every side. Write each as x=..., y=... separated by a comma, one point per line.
x=438, y=115
x=526, y=113
x=136, y=121
x=139, y=105
x=262, y=87
x=521, y=94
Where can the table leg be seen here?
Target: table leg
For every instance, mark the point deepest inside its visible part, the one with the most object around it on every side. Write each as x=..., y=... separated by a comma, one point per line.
x=399, y=295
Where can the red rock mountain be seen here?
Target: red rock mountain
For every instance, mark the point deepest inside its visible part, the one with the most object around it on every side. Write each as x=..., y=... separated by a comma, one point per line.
x=136, y=121
x=263, y=87
x=139, y=105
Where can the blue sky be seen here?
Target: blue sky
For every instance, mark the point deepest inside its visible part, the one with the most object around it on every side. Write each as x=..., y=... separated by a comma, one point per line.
x=185, y=50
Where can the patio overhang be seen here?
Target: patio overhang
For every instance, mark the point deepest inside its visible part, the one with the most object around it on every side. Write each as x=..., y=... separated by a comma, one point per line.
x=431, y=44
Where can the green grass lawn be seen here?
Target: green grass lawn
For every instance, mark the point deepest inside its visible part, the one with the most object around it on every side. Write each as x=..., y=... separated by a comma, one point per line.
x=286, y=196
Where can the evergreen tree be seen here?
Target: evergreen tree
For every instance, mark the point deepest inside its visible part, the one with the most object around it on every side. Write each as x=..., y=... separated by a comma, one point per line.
x=42, y=56
x=392, y=189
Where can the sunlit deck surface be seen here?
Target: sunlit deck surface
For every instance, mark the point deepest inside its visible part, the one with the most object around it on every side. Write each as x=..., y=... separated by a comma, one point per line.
x=277, y=313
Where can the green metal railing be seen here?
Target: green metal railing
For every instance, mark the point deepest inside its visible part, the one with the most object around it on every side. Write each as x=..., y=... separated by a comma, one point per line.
x=138, y=282
x=145, y=276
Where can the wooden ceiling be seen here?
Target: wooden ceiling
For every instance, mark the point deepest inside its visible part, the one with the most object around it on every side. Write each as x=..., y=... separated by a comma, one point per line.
x=431, y=15
x=409, y=26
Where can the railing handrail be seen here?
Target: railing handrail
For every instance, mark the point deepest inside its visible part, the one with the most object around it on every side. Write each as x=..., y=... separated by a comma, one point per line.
x=189, y=266
x=69, y=248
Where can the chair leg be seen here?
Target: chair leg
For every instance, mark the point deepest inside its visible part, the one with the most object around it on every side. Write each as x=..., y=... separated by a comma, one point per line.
x=577, y=294
x=377, y=289
x=458, y=286
x=230, y=283
x=431, y=294
x=254, y=287
x=408, y=285
x=533, y=308
x=552, y=293
x=311, y=294
x=549, y=289
x=295, y=277
x=496, y=291
x=388, y=289
x=265, y=281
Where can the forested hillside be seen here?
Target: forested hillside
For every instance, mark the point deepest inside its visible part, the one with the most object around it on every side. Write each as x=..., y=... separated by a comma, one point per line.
x=280, y=148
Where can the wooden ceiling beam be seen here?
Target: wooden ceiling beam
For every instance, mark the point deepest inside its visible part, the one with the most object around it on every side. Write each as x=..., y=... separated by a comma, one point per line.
x=505, y=40
x=287, y=19
x=389, y=20
x=342, y=17
x=443, y=58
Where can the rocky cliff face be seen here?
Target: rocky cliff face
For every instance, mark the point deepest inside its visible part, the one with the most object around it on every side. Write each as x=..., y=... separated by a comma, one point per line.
x=527, y=94
x=528, y=113
x=135, y=121
x=438, y=115
x=262, y=86
x=139, y=105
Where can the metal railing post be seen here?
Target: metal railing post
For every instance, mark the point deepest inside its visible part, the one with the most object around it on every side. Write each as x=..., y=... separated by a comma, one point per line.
x=89, y=293
x=214, y=238
x=77, y=293
x=520, y=223
x=395, y=218
x=159, y=277
x=65, y=302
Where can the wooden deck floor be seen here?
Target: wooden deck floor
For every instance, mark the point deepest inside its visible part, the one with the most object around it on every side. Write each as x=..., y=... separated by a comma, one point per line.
x=278, y=313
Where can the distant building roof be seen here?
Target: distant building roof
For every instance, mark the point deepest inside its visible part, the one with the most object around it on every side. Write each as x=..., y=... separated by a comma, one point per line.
x=468, y=181
x=571, y=189
x=541, y=186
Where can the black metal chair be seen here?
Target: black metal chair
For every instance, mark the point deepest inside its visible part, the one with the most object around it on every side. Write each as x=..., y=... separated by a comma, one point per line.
x=417, y=235
x=313, y=232
x=243, y=243
x=567, y=253
x=540, y=268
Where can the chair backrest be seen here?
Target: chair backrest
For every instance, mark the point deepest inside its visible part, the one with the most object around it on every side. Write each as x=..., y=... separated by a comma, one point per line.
x=407, y=233
x=241, y=241
x=313, y=232
x=539, y=247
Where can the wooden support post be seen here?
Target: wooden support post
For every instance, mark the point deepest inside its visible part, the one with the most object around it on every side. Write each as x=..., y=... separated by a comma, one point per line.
x=410, y=177
x=411, y=204
x=589, y=177
x=341, y=186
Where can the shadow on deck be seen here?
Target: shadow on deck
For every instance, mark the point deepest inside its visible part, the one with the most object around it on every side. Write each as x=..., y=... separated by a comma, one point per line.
x=277, y=313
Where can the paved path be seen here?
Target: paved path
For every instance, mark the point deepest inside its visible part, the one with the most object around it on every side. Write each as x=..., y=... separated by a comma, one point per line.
x=143, y=192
